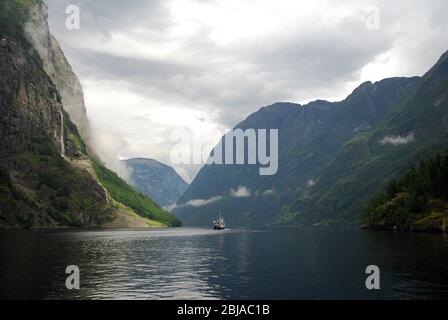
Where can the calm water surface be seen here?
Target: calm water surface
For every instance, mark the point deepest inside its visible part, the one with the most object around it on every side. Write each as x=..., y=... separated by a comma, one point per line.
x=191, y=263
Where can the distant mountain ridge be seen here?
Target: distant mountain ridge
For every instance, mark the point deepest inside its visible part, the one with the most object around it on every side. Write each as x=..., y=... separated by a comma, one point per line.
x=156, y=180
x=332, y=156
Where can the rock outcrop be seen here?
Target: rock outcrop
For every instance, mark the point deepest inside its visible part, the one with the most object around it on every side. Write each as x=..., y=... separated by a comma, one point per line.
x=57, y=67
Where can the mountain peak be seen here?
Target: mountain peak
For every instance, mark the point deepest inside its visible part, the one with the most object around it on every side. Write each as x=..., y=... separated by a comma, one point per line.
x=157, y=180
x=318, y=102
x=283, y=105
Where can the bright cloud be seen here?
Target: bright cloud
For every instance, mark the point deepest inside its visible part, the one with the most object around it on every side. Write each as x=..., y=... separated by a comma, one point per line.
x=311, y=183
x=398, y=140
x=202, y=202
x=240, y=192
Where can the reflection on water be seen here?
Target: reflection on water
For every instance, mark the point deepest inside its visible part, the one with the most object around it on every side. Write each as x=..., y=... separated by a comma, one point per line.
x=188, y=263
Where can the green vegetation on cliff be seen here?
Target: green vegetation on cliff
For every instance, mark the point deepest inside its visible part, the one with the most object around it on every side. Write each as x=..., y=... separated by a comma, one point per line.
x=417, y=201
x=47, y=175
x=14, y=14
x=141, y=204
x=47, y=191
x=38, y=187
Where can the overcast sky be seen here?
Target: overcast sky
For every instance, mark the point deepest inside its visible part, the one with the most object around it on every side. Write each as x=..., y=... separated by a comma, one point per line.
x=150, y=67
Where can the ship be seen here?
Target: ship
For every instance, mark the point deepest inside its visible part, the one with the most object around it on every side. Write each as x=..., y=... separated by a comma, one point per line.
x=219, y=224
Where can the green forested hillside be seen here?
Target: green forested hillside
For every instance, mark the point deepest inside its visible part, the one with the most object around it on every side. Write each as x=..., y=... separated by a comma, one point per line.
x=417, y=201
x=415, y=129
x=124, y=193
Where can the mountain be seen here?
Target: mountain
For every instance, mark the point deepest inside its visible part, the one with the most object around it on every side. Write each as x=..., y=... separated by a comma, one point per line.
x=157, y=180
x=417, y=201
x=416, y=129
x=57, y=67
x=332, y=156
x=48, y=177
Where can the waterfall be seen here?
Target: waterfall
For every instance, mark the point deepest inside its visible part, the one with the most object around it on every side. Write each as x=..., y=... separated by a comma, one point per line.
x=62, y=133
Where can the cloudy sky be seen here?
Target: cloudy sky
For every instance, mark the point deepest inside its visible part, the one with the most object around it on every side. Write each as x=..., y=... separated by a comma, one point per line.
x=150, y=68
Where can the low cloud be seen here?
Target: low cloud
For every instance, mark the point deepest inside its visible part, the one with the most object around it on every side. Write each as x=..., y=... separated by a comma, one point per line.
x=241, y=192
x=398, y=140
x=170, y=207
x=202, y=202
x=107, y=146
x=268, y=192
x=310, y=183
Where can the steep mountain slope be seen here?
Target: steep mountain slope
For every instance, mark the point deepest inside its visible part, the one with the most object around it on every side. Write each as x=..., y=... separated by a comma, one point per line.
x=157, y=180
x=416, y=129
x=47, y=176
x=310, y=138
x=417, y=201
x=57, y=67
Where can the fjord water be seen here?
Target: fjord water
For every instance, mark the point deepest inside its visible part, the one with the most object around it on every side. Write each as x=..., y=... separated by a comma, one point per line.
x=193, y=263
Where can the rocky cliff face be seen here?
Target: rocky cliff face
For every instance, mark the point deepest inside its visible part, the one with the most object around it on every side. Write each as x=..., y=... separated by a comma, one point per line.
x=57, y=67
x=414, y=130
x=47, y=175
x=38, y=143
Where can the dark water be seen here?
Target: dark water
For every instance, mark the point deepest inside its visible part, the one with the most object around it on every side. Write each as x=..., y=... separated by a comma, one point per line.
x=186, y=263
